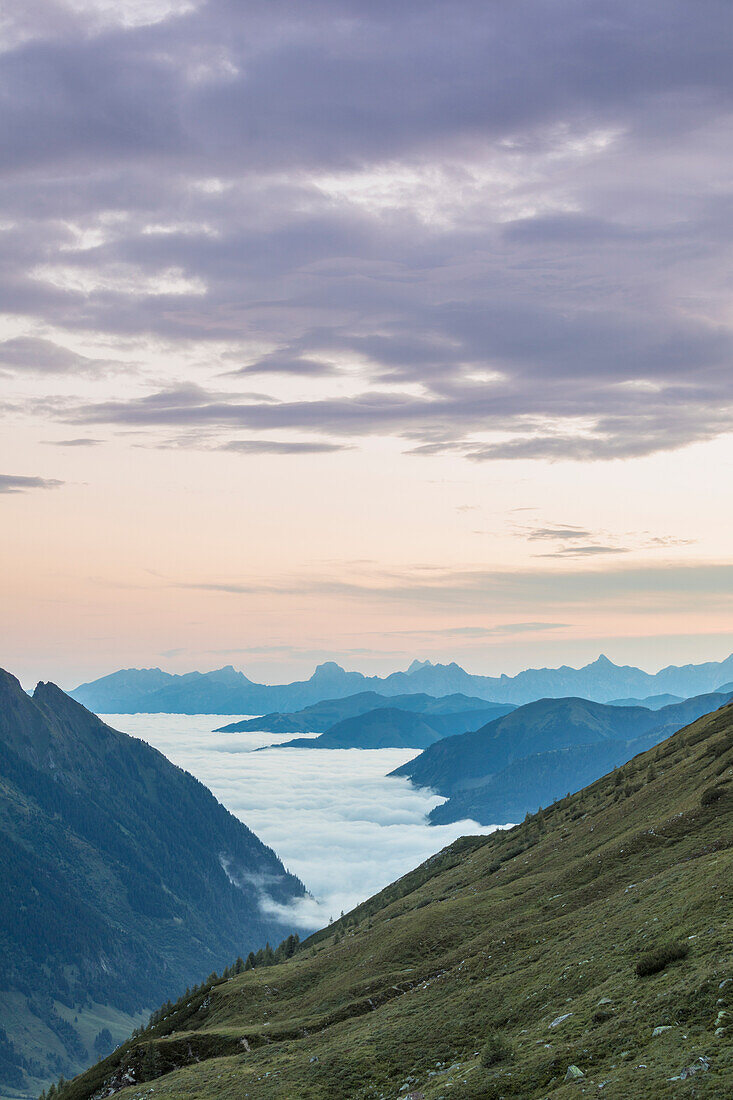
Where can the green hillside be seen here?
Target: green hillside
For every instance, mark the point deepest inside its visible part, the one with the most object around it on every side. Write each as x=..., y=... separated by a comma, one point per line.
x=505, y=966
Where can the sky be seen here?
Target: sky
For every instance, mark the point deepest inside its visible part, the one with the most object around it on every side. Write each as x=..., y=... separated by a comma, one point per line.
x=366, y=331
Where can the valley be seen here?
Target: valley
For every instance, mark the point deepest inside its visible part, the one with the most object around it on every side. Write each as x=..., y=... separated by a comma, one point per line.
x=588, y=947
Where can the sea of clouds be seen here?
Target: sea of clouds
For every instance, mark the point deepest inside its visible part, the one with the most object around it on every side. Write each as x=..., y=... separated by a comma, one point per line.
x=333, y=816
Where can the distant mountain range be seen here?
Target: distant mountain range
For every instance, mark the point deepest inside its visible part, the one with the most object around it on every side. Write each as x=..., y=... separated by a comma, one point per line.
x=123, y=879
x=652, y=702
x=540, y=752
x=227, y=691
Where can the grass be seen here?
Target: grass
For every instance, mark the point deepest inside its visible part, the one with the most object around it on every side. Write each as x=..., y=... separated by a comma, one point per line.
x=532, y=935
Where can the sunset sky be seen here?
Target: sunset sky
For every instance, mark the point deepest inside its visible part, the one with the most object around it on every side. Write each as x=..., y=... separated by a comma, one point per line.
x=365, y=330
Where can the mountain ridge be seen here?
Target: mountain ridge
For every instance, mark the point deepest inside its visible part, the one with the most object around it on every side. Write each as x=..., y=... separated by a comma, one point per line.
x=141, y=860
x=390, y=727
x=227, y=691
x=538, y=752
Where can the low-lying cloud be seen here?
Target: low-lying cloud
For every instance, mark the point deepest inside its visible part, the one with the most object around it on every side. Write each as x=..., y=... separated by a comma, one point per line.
x=332, y=816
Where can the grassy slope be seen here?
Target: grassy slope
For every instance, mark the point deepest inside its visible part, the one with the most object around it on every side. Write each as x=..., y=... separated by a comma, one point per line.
x=506, y=932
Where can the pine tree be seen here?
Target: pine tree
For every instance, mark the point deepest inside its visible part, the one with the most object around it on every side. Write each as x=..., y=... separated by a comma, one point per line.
x=251, y=961
x=149, y=1063
x=239, y=965
x=291, y=946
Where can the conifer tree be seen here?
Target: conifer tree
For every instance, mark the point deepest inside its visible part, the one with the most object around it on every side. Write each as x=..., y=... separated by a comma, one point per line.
x=149, y=1063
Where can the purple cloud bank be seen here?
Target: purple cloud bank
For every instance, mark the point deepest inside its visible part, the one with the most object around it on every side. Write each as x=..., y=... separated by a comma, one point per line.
x=509, y=223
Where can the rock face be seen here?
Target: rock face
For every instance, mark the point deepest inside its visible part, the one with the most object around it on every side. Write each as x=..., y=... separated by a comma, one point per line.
x=574, y=1074
x=123, y=878
x=702, y=1065
x=560, y=1019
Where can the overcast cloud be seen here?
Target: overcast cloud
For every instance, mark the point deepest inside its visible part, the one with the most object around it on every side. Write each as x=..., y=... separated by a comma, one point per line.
x=507, y=224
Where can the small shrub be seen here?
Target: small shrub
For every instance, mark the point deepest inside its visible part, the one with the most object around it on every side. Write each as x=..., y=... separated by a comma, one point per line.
x=497, y=1048
x=720, y=748
x=652, y=962
x=601, y=1015
x=711, y=795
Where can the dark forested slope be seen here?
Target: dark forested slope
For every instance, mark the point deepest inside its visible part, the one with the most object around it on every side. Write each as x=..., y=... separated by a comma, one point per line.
x=123, y=878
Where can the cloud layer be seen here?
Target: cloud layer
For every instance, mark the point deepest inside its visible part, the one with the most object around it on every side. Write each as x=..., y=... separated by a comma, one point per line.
x=494, y=230
x=21, y=483
x=333, y=817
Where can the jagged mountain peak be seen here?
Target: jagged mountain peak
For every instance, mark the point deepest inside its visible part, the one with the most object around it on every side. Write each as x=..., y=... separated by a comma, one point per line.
x=328, y=668
x=9, y=684
x=227, y=691
x=417, y=665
